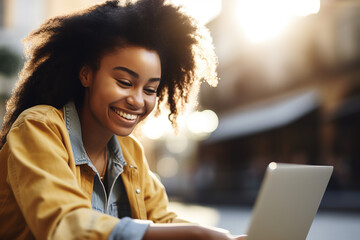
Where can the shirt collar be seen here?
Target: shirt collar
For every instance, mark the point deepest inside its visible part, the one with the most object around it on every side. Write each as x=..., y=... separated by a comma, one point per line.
x=73, y=127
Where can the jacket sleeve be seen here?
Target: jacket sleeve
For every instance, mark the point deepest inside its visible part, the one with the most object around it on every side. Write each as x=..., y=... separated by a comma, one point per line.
x=45, y=187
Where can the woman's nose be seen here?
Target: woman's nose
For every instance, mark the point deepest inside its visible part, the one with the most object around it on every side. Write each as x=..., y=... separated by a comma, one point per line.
x=136, y=99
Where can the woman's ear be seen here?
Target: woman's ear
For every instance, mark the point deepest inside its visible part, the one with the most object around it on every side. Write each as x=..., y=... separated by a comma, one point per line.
x=85, y=75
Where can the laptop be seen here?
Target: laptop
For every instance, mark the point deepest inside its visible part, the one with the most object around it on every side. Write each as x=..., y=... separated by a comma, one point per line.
x=287, y=202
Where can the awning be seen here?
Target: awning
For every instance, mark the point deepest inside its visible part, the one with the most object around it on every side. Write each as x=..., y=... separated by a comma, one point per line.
x=348, y=108
x=266, y=117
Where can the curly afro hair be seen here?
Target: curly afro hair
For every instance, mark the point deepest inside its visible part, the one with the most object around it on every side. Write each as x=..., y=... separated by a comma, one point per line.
x=61, y=46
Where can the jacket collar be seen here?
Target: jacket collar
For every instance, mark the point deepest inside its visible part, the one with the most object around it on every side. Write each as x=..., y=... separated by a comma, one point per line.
x=73, y=127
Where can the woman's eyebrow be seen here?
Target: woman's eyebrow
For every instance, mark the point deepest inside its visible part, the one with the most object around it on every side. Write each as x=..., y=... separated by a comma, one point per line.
x=154, y=79
x=134, y=74
x=129, y=71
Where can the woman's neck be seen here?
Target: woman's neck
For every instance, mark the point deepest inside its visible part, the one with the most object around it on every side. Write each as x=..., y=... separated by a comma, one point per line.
x=94, y=137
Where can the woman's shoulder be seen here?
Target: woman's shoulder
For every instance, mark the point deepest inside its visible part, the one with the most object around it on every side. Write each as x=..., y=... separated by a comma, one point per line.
x=133, y=152
x=43, y=113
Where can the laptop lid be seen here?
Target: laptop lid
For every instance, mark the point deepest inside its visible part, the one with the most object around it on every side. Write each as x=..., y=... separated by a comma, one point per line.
x=288, y=200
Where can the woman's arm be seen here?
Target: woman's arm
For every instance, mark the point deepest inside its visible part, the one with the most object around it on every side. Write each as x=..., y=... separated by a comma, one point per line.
x=187, y=231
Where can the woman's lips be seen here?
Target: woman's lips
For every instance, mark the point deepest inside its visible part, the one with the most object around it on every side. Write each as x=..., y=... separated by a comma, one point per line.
x=125, y=115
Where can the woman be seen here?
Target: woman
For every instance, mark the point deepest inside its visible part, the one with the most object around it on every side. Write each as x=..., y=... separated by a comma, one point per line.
x=69, y=167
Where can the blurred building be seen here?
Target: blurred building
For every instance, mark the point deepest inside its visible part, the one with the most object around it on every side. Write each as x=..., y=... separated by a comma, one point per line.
x=294, y=97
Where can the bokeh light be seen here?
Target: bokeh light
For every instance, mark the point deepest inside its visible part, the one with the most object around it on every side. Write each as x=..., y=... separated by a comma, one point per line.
x=167, y=167
x=202, y=122
x=176, y=143
x=155, y=127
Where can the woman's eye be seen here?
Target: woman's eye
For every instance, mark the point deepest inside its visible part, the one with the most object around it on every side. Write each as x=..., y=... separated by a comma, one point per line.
x=124, y=82
x=150, y=91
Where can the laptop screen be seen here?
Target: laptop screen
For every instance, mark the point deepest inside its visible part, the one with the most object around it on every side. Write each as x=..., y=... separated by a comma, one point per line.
x=288, y=200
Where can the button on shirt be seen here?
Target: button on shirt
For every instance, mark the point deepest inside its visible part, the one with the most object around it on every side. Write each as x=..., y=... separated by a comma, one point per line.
x=106, y=199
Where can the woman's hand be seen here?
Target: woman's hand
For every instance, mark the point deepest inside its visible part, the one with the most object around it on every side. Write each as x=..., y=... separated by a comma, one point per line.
x=219, y=233
x=240, y=237
x=188, y=231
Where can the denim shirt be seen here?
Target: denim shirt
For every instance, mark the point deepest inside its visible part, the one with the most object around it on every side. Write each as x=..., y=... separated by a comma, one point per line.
x=103, y=201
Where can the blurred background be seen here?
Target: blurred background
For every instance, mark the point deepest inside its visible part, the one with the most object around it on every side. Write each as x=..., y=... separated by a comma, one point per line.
x=289, y=91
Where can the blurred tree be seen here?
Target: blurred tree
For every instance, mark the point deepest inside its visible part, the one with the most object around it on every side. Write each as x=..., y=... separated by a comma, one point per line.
x=9, y=62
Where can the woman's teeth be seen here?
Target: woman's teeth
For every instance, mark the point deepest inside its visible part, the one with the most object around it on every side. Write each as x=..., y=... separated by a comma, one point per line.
x=125, y=115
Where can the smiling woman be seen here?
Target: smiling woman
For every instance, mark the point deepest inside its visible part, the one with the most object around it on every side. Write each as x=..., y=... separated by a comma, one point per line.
x=121, y=93
x=69, y=167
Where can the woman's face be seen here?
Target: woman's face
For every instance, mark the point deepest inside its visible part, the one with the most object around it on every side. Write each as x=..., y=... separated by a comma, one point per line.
x=122, y=92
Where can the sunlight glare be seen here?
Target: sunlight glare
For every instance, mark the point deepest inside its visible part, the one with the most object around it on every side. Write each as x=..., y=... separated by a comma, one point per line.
x=273, y=165
x=202, y=10
x=263, y=19
x=306, y=7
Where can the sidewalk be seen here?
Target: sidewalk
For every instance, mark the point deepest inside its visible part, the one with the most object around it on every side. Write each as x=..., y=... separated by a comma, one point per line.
x=326, y=225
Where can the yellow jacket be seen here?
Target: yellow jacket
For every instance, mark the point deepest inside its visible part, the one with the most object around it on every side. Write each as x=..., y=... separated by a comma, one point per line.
x=44, y=195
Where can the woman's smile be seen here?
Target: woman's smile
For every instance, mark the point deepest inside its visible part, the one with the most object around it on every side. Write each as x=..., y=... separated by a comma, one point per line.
x=127, y=116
